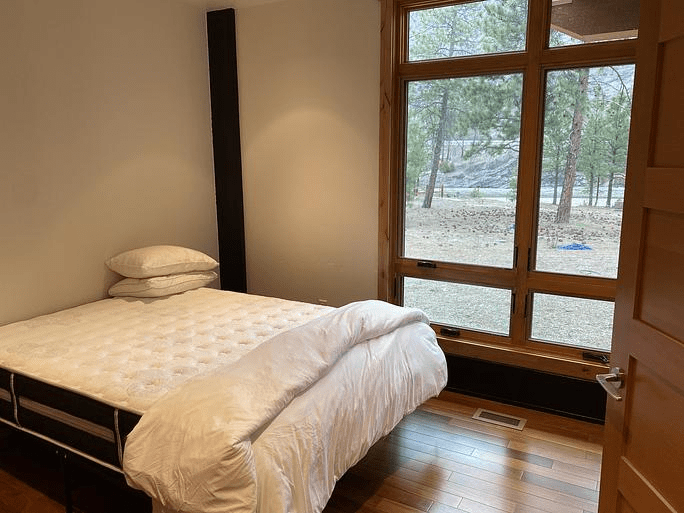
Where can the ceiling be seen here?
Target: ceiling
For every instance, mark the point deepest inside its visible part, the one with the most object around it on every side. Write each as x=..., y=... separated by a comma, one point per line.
x=591, y=20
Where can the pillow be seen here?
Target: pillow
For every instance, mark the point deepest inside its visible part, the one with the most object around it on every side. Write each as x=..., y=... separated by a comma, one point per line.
x=159, y=261
x=158, y=286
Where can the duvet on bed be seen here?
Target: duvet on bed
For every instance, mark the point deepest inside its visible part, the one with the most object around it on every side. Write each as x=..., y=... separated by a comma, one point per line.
x=275, y=430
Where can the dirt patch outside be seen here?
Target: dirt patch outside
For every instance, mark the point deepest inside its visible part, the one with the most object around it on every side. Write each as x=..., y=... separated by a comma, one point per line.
x=481, y=231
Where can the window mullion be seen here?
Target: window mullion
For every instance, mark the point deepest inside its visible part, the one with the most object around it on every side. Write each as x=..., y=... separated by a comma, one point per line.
x=463, y=67
x=530, y=169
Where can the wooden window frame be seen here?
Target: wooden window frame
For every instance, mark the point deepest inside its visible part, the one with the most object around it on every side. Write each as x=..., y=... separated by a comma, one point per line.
x=533, y=63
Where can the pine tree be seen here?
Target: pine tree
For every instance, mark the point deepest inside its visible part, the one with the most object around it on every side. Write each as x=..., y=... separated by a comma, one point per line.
x=584, y=130
x=616, y=129
x=450, y=109
x=592, y=158
x=570, y=174
x=557, y=125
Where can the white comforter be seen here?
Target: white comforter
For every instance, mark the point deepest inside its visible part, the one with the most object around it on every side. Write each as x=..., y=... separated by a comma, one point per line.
x=225, y=442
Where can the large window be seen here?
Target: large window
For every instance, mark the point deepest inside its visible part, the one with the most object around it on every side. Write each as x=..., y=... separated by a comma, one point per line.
x=506, y=135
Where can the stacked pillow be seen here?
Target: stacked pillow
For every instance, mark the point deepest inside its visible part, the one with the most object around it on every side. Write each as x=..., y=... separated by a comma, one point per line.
x=157, y=271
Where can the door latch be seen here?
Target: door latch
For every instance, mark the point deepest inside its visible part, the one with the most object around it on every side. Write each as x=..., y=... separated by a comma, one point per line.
x=612, y=382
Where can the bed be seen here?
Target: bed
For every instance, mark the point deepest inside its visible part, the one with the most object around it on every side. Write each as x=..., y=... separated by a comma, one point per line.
x=211, y=400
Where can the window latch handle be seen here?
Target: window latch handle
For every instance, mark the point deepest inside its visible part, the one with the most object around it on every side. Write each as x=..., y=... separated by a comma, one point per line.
x=426, y=263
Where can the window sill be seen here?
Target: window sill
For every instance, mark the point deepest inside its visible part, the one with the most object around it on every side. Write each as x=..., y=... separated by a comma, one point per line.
x=523, y=357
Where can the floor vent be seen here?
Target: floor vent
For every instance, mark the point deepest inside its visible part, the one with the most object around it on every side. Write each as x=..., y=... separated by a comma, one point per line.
x=500, y=419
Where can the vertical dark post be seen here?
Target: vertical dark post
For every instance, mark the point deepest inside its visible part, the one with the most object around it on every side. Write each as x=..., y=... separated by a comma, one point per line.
x=225, y=124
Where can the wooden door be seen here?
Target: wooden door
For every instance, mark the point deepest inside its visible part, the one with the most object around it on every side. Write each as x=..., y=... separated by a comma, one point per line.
x=643, y=464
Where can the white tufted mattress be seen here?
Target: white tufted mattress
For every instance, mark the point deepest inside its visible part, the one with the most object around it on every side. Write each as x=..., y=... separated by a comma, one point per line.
x=118, y=356
x=128, y=352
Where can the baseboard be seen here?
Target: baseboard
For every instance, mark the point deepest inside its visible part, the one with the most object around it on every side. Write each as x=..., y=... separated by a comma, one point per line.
x=562, y=395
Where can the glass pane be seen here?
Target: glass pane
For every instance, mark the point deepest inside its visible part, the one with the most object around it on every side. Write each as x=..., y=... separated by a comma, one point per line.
x=575, y=22
x=586, y=131
x=572, y=321
x=462, y=142
x=473, y=28
x=455, y=304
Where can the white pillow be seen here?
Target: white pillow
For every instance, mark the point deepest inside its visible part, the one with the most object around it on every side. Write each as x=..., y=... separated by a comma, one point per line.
x=160, y=261
x=158, y=286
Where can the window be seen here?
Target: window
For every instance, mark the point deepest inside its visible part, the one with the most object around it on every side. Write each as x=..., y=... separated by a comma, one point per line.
x=503, y=169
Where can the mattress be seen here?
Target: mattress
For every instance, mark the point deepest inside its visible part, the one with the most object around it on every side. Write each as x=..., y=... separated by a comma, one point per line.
x=83, y=377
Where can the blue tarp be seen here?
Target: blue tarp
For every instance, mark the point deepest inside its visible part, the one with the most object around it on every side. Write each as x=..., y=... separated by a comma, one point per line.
x=574, y=247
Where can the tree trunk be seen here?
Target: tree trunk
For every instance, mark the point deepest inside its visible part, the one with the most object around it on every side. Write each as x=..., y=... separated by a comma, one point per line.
x=558, y=158
x=555, y=187
x=591, y=188
x=437, y=150
x=609, y=197
x=565, y=203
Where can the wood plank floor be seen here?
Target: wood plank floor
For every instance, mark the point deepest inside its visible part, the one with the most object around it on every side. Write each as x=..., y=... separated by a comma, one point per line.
x=437, y=460
x=440, y=460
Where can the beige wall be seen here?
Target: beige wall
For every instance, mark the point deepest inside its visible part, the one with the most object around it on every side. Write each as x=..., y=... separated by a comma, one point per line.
x=105, y=143
x=309, y=100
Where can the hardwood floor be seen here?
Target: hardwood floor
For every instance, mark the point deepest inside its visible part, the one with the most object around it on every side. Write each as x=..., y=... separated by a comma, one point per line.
x=437, y=460
x=27, y=483
x=440, y=460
